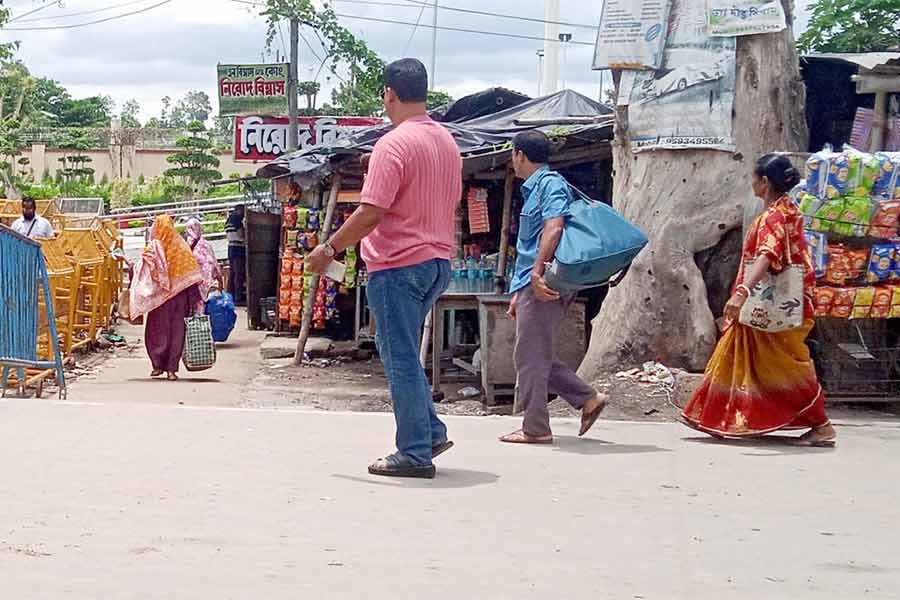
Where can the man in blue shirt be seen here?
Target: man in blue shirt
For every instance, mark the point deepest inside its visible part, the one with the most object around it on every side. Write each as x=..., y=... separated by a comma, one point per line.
x=538, y=309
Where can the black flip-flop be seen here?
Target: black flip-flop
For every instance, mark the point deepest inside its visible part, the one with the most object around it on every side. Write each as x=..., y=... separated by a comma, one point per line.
x=397, y=465
x=439, y=449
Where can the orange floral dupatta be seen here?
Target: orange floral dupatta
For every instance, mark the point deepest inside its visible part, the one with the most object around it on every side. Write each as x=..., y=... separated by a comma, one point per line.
x=166, y=268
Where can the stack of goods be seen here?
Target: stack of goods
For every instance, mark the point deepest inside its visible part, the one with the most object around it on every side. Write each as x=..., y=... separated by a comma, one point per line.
x=301, y=235
x=851, y=204
x=479, y=219
x=852, y=193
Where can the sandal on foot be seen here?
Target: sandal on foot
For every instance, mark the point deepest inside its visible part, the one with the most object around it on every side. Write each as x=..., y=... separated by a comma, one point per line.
x=172, y=377
x=811, y=440
x=589, y=418
x=520, y=437
x=156, y=373
x=439, y=449
x=398, y=465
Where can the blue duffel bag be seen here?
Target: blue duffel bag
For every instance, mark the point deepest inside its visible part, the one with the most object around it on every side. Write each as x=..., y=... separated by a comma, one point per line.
x=597, y=244
x=222, y=315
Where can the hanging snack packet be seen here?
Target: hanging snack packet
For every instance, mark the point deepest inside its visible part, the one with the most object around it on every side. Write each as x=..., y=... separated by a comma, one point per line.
x=895, y=301
x=887, y=182
x=842, y=306
x=828, y=215
x=823, y=298
x=862, y=303
x=302, y=218
x=290, y=217
x=827, y=173
x=837, y=270
x=855, y=220
x=818, y=246
x=862, y=169
x=859, y=262
x=886, y=220
x=809, y=206
x=881, y=263
x=881, y=307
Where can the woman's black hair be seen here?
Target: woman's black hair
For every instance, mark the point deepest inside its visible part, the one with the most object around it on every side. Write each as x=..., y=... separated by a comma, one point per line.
x=782, y=175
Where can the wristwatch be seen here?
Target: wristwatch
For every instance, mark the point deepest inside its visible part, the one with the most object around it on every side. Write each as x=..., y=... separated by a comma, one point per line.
x=328, y=249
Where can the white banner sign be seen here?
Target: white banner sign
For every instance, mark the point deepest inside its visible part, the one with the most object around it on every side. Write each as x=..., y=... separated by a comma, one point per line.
x=728, y=18
x=632, y=34
x=687, y=103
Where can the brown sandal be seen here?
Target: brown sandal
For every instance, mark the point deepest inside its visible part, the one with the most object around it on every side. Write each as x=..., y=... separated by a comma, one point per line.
x=172, y=377
x=156, y=373
x=520, y=437
x=589, y=418
x=811, y=440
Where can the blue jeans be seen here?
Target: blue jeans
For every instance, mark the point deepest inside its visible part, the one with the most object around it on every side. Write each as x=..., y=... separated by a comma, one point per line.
x=400, y=300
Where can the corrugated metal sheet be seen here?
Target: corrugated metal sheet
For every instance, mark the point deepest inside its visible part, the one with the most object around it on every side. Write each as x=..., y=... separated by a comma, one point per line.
x=867, y=60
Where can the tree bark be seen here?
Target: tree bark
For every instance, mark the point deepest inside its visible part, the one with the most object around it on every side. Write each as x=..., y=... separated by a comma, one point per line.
x=687, y=201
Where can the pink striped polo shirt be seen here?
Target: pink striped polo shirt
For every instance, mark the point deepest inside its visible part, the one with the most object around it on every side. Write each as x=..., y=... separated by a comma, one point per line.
x=415, y=173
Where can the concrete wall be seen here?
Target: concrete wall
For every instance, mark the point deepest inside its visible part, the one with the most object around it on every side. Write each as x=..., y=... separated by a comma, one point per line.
x=124, y=162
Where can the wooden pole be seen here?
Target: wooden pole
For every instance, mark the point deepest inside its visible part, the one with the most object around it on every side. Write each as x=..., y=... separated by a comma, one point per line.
x=504, y=231
x=293, y=82
x=879, y=125
x=310, y=301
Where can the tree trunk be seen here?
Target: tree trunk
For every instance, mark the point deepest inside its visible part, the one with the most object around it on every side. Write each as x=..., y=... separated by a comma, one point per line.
x=689, y=202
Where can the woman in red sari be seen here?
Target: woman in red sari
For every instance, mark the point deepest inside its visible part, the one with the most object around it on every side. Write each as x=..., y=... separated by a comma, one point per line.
x=758, y=382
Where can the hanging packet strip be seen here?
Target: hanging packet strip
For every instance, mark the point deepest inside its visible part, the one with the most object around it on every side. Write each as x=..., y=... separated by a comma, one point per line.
x=862, y=170
x=818, y=245
x=887, y=182
x=827, y=173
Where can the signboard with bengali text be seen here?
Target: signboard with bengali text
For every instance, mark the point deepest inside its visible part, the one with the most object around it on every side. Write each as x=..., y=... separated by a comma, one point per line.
x=259, y=138
x=253, y=89
x=745, y=17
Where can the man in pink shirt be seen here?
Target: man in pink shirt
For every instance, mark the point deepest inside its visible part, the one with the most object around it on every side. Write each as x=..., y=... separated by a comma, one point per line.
x=406, y=222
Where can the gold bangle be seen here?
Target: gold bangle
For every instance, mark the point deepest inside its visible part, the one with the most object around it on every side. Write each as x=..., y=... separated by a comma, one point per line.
x=743, y=288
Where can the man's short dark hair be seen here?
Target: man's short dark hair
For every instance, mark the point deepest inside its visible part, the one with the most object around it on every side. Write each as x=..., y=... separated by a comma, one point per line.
x=408, y=78
x=534, y=144
x=29, y=200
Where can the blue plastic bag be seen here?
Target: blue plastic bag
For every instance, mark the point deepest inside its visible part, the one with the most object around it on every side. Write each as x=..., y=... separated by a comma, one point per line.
x=222, y=315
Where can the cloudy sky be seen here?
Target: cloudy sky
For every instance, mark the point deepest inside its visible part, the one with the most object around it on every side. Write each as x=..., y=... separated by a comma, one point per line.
x=174, y=48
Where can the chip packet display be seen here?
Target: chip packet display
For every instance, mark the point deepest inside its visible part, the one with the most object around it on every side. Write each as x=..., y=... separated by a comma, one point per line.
x=809, y=206
x=887, y=182
x=886, y=219
x=842, y=306
x=881, y=263
x=862, y=170
x=828, y=215
x=823, y=299
x=827, y=173
x=818, y=246
x=859, y=262
x=837, y=270
x=862, y=303
x=855, y=220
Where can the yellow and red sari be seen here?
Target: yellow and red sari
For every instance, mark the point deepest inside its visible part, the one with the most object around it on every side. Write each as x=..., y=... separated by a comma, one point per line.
x=758, y=382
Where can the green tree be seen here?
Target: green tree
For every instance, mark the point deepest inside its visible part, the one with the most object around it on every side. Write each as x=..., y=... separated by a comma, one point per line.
x=94, y=111
x=852, y=26
x=16, y=88
x=361, y=92
x=129, y=115
x=437, y=99
x=311, y=90
x=196, y=164
x=11, y=144
x=76, y=169
x=194, y=106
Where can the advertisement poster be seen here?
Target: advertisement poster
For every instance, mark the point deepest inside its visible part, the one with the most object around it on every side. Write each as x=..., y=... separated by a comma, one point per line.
x=253, y=90
x=745, y=17
x=259, y=138
x=632, y=34
x=688, y=102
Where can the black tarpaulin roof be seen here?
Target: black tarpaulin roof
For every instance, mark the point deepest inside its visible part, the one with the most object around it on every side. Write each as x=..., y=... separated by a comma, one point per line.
x=565, y=113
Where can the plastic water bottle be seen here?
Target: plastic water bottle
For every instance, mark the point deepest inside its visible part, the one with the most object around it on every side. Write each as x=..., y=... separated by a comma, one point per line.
x=456, y=284
x=487, y=276
x=473, y=274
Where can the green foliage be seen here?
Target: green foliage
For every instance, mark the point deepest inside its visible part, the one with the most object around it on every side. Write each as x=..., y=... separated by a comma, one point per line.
x=437, y=99
x=361, y=93
x=129, y=115
x=852, y=26
x=196, y=164
x=121, y=192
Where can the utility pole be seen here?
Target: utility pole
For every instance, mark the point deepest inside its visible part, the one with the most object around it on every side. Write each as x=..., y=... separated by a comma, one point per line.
x=540, y=79
x=551, y=47
x=565, y=38
x=293, y=76
x=434, y=21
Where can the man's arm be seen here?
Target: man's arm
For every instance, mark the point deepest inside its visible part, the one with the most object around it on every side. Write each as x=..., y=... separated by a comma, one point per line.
x=553, y=229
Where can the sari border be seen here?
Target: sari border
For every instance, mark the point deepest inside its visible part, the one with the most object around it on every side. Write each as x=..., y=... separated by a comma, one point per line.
x=761, y=432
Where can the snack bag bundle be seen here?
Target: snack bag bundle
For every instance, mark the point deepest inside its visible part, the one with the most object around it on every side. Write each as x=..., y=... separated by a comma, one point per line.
x=855, y=220
x=859, y=262
x=319, y=316
x=887, y=182
x=809, y=206
x=886, y=220
x=818, y=245
x=862, y=170
x=895, y=301
x=862, y=303
x=837, y=270
x=842, y=305
x=881, y=306
x=828, y=215
x=827, y=174
x=350, y=259
x=823, y=299
x=289, y=217
x=881, y=263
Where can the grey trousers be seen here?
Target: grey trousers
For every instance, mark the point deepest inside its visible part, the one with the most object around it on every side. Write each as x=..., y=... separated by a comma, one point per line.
x=540, y=372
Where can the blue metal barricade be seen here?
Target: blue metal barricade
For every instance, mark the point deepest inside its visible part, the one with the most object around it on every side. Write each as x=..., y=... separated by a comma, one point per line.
x=23, y=273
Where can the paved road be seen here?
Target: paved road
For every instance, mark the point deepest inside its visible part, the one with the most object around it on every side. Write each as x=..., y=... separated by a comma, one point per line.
x=123, y=493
